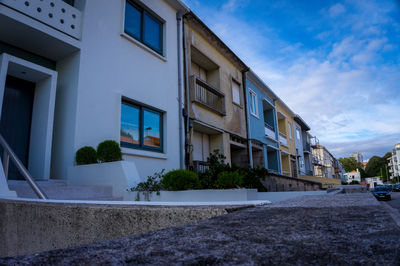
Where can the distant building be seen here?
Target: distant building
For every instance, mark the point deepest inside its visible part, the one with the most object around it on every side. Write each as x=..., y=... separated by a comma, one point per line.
x=358, y=156
x=394, y=163
x=373, y=181
x=325, y=164
x=352, y=176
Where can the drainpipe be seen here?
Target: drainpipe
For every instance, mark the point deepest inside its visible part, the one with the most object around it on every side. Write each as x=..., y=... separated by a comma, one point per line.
x=180, y=91
x=249, y=149
x=187, y=145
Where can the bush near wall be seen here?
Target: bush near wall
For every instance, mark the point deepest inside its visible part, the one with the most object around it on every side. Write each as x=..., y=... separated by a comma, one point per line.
x=109, y=151
x=86, y=155
x=180, y=179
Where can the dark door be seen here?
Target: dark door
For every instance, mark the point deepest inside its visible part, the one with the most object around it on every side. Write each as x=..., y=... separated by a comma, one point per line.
x=294, y=168
x=16, y=118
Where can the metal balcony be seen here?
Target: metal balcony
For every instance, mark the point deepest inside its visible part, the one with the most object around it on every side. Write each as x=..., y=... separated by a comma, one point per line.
x=54, y=13
x=203, y=93
x=283, y=139
x=269, y=131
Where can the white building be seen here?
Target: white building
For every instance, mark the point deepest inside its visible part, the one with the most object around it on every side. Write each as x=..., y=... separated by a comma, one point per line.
x=394, y=163
x=373, y=182
x=352, y=176
x=358, y=156
x=76, y=73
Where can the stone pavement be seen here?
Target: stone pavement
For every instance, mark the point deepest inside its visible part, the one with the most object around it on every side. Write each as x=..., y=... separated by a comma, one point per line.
x=339, y=229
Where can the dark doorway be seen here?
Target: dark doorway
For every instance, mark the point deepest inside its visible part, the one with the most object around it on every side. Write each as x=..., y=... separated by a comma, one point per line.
x=294, y=167
x=16, y=118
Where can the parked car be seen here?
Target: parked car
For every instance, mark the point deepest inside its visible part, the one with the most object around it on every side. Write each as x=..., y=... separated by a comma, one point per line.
x=396, y=188
x=382, y=193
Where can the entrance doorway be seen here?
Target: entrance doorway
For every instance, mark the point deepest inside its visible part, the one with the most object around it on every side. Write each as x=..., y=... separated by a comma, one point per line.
x=16, y=119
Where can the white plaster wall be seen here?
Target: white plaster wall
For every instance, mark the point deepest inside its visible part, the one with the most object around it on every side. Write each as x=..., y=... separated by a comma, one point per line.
x=112, y=66
x=42, y=127
x=63, y=152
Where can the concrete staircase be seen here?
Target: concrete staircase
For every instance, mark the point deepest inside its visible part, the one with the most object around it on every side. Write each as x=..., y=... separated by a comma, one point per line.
x=59, y=190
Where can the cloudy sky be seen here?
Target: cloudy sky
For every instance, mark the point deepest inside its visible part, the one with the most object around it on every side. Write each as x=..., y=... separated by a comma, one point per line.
x=335, y=63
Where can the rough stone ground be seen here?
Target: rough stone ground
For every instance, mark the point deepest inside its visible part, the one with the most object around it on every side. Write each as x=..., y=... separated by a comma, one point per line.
x=340, y=229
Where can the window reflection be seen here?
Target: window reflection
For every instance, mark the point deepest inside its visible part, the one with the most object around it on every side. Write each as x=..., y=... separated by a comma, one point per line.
x=151, y=126
x=129, y=124
x=152, y=32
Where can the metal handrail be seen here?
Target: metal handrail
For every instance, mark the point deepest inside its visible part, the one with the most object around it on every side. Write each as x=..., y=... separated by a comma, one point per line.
x=9, y=153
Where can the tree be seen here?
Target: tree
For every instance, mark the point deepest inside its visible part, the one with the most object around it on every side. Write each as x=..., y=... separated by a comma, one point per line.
x=350, y=164
x=374, y=165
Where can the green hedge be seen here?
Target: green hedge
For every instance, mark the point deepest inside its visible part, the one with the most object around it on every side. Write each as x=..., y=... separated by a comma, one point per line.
x=109, y=151
x=86, y=155
x=180, y=180
x=227, y=180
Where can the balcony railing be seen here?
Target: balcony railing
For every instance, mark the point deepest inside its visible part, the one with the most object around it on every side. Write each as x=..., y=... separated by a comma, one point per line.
x=269, y=131
x=283, y=139
x=206, y=95
x=200, y=167
x=54, y=13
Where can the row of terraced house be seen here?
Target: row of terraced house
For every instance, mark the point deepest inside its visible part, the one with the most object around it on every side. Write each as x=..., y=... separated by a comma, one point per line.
x=148, y=74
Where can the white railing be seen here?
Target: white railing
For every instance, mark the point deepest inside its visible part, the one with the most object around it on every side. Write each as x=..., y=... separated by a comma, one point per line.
x=54, y=13
x=269, y=132
x=283, y=139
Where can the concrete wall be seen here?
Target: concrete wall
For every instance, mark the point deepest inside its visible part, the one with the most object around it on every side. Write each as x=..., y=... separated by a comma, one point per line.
x=275, y=183
x=326, y=182
x=31, y=227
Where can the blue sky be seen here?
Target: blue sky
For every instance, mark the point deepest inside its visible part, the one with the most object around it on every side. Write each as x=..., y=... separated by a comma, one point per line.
x=335, y=63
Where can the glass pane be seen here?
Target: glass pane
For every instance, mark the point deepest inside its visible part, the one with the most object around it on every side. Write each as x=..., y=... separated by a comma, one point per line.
x=152, y=32
x=151, y=128
x=129, y=124
x=133, y=18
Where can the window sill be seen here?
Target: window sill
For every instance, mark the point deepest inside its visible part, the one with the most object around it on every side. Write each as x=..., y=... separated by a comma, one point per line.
x=238, y=105
x=144, y=47
x=256, y=116
x=144, y=153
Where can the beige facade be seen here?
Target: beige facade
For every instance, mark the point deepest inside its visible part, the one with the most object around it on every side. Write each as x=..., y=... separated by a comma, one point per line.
x=216, y=97
x=286, y=139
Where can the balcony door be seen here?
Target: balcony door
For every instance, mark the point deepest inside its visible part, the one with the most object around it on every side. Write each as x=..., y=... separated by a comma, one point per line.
x=16, y=119
x=201, y=146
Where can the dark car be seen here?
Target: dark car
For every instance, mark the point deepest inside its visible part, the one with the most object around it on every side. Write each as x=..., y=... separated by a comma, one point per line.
x=396, y=188
x=382, y=193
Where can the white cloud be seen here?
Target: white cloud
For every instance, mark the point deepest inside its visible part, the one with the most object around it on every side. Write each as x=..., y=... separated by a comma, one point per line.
x=342, y=91
x=336, y=10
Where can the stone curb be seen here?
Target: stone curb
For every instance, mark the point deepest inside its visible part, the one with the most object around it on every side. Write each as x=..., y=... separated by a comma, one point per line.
x=394, y=213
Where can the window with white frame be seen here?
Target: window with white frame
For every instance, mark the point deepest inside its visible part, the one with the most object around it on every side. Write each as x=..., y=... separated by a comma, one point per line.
x=297, y=133
x=290, y=130
x=236, y=92
x=253, y=103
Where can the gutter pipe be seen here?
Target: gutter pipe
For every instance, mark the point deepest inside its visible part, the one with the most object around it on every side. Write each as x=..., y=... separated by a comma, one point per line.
x=249, y=151
x=180, y=91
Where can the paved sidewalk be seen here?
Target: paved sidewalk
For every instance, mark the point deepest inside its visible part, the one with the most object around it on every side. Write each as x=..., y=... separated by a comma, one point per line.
x=343, y=229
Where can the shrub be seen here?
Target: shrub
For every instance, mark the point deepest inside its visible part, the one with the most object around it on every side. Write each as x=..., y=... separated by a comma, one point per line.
x=216, y=165
x=152, y=184
x=86, y=155
x=252, y=178
x=228, y=180
x=109, y=151
x=180, y=180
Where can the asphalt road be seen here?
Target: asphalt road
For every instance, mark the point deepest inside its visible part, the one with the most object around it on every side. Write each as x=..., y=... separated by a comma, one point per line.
x=395, y=202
